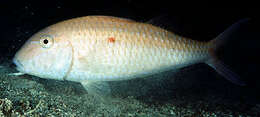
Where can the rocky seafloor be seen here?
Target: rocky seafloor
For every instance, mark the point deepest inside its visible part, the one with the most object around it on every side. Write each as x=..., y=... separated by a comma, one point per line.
x=185, y=95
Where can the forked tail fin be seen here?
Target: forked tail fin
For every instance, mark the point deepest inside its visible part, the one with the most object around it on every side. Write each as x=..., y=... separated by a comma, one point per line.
x=218, y=65
x=223, y=70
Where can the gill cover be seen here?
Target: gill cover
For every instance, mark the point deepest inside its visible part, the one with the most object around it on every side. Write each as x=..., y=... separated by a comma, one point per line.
x=45, y=56
x=60, y=59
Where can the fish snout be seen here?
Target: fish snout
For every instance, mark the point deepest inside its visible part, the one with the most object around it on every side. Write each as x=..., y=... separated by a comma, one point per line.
x=19, y=66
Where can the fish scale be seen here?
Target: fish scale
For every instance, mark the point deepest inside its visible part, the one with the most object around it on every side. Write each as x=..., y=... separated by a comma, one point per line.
x=159, y=51
x=94, y=49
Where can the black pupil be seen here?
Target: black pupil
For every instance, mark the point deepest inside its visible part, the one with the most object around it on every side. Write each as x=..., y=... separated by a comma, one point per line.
x=45, y=41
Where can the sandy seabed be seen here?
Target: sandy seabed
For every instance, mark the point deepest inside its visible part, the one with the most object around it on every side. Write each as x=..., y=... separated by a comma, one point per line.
x=156, y=96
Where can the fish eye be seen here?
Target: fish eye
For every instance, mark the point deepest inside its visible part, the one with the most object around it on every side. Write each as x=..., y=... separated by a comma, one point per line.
x=46, y=41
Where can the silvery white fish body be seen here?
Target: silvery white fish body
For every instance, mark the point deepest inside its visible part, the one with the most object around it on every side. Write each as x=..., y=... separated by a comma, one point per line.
x=93, y=49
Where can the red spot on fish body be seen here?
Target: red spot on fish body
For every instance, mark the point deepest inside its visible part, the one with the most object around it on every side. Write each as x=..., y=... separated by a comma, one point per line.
x=111, y=40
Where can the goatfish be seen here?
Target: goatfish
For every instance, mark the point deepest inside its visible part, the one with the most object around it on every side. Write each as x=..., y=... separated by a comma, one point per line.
x=95, y=49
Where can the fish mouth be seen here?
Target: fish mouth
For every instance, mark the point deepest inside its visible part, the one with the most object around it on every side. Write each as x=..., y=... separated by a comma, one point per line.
x=18, y=64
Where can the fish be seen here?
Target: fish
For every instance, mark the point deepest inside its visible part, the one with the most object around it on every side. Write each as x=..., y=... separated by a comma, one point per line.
x=92, y=50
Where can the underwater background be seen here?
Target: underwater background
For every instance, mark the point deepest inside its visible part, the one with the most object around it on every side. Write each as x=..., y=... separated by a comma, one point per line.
x=194, y=91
